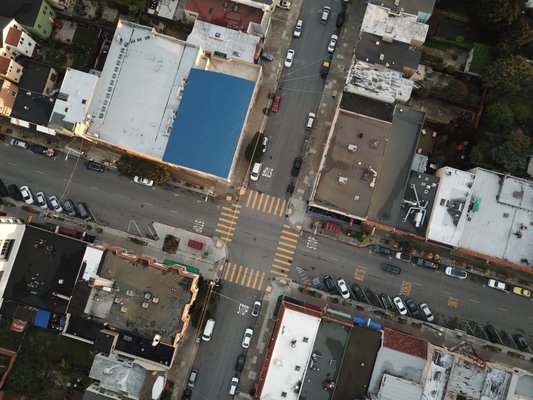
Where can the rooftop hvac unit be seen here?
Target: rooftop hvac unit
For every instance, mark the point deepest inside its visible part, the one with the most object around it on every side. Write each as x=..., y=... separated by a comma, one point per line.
x=382, y=56
x=352, y=148
x=343, y=180
x=377, y=42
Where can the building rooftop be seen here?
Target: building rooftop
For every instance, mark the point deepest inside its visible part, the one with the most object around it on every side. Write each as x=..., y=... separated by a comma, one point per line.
x=74, y=97
x=404, y=343
x=452, y=200
x=377, y=82
x=407, y=6
x=234, y=44
x=236, y=16
x=366, y=106
x=210, y=147
x=394, y=26
x=33, y=107
x=13, y=37
x=35, y=76
x=352, y=165
x=163, y=8
x=140, y=116
x=45, y=270
x=393, y=388
x=398, y=56
x=498, y=217
x=7, y=100
x=24, y=11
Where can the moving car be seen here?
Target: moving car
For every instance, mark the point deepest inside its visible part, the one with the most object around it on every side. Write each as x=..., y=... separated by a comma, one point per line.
x=239, y=365
x=310, y=120
x=56, y=204
x=298, y=28
x=426, y=312
x=256, y=307
x=94, y=166
x=26, y=194
x=493, y=283
x=275, y=103
x=193, y=376
x=413, y=308
x=521, y=291
x=343, y=288
x=256, y=171
x=403, y=256
x=455, y=272
x=233, y=385
x=296, y=166
x=386, y=301
x=325, y=14
x=332, y=43
x=393, y=269
x=286, y=5
x=69, y=207
x=247, y=338
x=398, y=303
x=521, y=342
x=330, y=285
x=143, y=181
x=265, y=55
x=19, y=143
x=358, y=292
x=290, y=58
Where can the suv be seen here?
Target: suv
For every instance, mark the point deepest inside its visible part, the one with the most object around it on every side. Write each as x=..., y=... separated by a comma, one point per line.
x=94, y=166
x=412, y=307
x=393, y=269
x=296, y=166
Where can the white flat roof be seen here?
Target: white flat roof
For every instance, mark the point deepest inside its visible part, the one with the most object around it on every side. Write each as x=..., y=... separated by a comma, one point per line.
x=75, y=95
x=91, y=259
x=140, y=89
x=282, y=375
x=165, y=8
x=377, y=82
x=401, y=27
x=453, y=197
x=235, y=44
x=502, y=225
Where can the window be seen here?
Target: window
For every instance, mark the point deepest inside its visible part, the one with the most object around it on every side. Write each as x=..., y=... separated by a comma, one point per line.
x=5, y=248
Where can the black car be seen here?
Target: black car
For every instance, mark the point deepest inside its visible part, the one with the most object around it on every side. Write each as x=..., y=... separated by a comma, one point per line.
x=94, y=166
x=266, y=56
x=340, y=19
x=290, y=188
x=393, y=269
x=358, y=292
x=422, y=262
x=492, y=334
x=377, y=248
x=330, y=284
x=14, y=192
x=3, y=190
x=239, y=365
x=70, y=208
x=187, y=394
x=386, y=301
x=413, y=308
x=296, y=166
x=520, y=342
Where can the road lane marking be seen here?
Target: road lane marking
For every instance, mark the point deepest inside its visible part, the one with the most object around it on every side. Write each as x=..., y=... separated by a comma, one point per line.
x=405, y=288
x=453, y=302
x=359, y=274
x=172, y=211
x=13, y=164
x=445, y=292
x=39, y=172
x=147, y=204
x=502, y=309
x=474, y=301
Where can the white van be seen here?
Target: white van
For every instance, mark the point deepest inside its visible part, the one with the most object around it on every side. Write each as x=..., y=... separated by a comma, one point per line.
x=208, y=330
x=256, y=170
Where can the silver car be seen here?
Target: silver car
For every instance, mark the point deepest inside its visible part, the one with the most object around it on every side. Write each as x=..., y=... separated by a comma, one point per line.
x=26, y=194
x=56, y=204
x=41, y=200
x=426, y=312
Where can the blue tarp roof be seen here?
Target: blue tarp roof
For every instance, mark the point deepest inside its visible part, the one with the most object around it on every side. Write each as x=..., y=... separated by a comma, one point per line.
x=209, y=122
x=41, y=319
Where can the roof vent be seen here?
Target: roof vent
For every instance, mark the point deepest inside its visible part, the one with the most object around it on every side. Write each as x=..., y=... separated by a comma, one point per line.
x=377, y=42
x=352, y=148
x=382, y=56
x=343, y=180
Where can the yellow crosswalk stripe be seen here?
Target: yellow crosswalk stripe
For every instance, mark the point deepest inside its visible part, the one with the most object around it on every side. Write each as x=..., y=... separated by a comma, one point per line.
x=277, y=205
x=278, y=273
x=233, y=272
x=244, y=276
x=227, y=215
x=235, y=205
x=273, y=200
x=230, y=209
x=295, y=234
x=289, y=239
x=228, y=221
x=260, y=287
x=284, y=262
x=287, y=226
x=228, y=267
x=229, y=228
x=283, y=268
x=238, y=274
x=250, y=277
x=226, y=239
x=283, y=255
x=255, y=279
x=260, y=201
x=224, y=232
x=265, y=205
x=249, y=198
x=282, y=208
x=288, y=245
x=285, y=250
x=255, y=199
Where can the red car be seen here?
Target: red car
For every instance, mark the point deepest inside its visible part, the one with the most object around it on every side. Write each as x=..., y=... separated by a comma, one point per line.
x=275, y=104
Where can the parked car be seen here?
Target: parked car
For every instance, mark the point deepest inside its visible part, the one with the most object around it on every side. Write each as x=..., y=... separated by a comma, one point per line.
x=413, y=308
x=275, y=103
x=56, y=204
x=403, y=256
x=521, y=291
x=290, y=188
x=70, y=208
x=265, y=55
x=330, y=284
x=26, y=194
x=143, y=181
x=37, y=148
x=289, y=59
x=332, y=43
x=393, y=269
x=400, y=307
x=455, y=272
x=426, y=312
x=286, y=5
x=19, y=143
x=247, y=338
x=492, y=334
x=264, y=143
x=298, y=28
x=94, y=166
x=239, y=365
x=377, y=248
x=422, y=262
x=343, y=288
x=310, y=120
x=296, y=166
x=358, y=292
x=493, y=283
x=193, y=376
x=187, y=394
x=386, y=301
x=15, y=193
x=324, y=69
x=256, y=171
x=233, y=385
x=340, y=19
x=325, y=14
x=256, y=307
x=521, y=342
x=41, y=200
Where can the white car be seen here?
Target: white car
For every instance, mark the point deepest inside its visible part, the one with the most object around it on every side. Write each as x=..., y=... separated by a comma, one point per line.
x=233, y=385
x=290, y=58
x=332, y=43
x=399, y=305
x=343, y=288
x=426, y=312
x=455, y=272
x=143, y=181
x=298, y=28
x=41, y=200
x=26, y=194
x=256, y=171
x=310, y=120
x=264, y=143
x=493, y=283
x=56, y=204
x=247, y=338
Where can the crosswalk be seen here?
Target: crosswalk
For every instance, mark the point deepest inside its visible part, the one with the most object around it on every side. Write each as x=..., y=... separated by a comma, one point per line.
x=288, y=239
x=265, y=203
x=244, y=276
x=229, y=215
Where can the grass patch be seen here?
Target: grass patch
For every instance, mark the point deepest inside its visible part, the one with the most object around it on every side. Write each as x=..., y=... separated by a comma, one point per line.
x=80, y=61
x=460, y=7
x=430, y=58
x=84, y=37
x=482, y=58
x=441, y=43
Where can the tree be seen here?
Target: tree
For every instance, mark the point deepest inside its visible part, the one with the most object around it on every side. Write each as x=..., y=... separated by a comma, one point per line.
x=513, y=154
x=130, y=165
x=519, y=34
x=497, y=15
x=253, y=150
x=456, y=90
x=499, y=118
x=509, y=75
x=476, y=156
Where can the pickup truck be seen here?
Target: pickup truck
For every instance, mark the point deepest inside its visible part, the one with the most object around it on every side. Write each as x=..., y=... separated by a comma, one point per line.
x=324, y=70
x=37, y=148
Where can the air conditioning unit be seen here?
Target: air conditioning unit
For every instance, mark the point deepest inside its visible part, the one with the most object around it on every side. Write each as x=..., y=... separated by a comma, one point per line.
x=382, y=56
x=343, y=180
x=352, y=148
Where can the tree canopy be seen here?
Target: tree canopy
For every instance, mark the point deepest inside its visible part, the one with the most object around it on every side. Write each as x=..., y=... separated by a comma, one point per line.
x=130, y=165
x=497, y=15
x=499, y=118
x=509, y=75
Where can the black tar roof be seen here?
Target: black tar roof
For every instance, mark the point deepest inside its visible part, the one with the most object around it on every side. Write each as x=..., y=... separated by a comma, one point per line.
x=24, y=11
x=397, y=55
x=42, y=273
x=33, y=107
x=34, y=76
x=365, y=106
